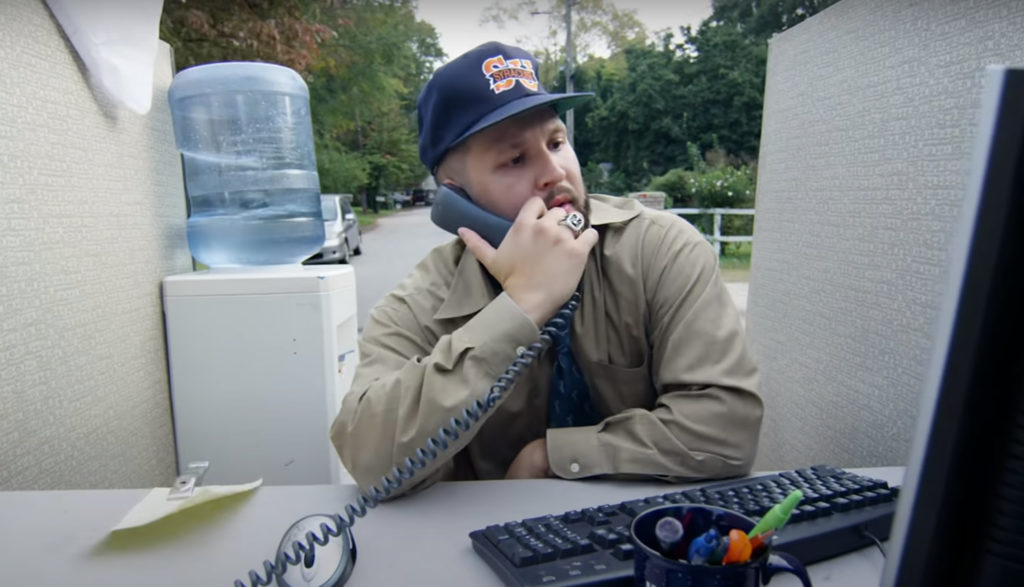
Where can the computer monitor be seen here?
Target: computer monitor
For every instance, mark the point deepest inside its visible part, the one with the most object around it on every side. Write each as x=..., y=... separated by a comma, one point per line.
x=960, y=516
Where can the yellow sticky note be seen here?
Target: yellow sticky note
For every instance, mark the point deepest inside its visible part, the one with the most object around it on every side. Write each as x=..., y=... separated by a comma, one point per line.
x=156, y=505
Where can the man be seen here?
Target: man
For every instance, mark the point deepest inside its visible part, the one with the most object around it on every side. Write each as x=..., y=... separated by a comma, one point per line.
x=655, y=379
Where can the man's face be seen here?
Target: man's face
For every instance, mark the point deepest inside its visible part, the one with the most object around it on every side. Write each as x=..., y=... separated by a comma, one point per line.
x=525, y=156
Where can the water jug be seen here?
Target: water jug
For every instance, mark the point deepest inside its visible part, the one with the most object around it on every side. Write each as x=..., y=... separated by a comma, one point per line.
x=246, y=142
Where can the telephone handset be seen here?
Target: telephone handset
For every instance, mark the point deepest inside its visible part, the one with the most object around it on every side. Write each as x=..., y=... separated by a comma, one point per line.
x=453, y=208
x=320, y=549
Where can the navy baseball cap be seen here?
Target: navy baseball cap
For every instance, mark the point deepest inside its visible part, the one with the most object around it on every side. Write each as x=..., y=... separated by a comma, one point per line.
x=478, y=89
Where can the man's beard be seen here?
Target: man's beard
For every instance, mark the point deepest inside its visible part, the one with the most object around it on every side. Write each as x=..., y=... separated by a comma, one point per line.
x=579, y=201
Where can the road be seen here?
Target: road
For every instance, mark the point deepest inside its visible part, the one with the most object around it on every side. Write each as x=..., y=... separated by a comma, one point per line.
x=393, y=247
x=390, y=251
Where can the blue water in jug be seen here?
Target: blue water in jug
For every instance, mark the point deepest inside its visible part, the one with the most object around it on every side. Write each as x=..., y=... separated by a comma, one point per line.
x=246, y=142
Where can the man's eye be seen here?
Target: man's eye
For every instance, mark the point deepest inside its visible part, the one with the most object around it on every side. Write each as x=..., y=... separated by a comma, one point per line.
x=518, y=159
x=557, y=144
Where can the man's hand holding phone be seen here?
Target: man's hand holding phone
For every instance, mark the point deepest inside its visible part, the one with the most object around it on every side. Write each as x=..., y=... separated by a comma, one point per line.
x=540, y=262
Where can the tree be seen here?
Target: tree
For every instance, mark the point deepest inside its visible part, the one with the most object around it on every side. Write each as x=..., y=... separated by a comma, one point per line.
x=242, y=30
x=595, y=23
x=363, y=91
x=364, y=62
x=725, y=82
x=639, y=120
x=759, y=20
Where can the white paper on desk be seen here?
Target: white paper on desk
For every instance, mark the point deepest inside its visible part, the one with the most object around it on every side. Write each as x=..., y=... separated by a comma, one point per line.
x=156, y=505
x=117, y=41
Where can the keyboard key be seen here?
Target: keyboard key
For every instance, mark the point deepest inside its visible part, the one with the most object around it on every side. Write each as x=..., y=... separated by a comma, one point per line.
x=623, y=552
x=693, y=496
x=518, y=554
x=562, y=547
x=633, y=507
x=825, y=470
x=675, y=497
x=804, y=512
x=545, y=554
x=573, y=516
x=585, y=546
x=496, y=534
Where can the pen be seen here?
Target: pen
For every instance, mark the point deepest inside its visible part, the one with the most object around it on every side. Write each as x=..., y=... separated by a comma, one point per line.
x=778, y=515
x=702, y=547
x=719, y=553
x=670, y=533
x=739, y=548
x=761, y=539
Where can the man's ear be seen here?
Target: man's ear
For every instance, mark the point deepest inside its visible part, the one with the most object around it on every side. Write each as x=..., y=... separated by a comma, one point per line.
x=451, y=169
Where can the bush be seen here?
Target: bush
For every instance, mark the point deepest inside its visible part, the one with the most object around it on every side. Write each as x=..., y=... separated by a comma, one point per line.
x=598, y=181
x=711, y=187
x=716, y=187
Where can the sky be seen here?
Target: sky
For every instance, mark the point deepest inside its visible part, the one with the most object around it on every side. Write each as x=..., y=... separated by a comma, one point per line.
x=458, y=21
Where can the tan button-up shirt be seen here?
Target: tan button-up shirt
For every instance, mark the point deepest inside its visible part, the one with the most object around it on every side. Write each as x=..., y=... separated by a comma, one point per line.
x=657, y=338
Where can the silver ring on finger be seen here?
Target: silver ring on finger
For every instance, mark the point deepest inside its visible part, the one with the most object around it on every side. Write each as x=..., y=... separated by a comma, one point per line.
x=575, y=222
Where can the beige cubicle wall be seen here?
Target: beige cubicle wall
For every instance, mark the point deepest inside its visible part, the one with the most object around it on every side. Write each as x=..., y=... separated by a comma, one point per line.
x=870, y=117
x=92, y=218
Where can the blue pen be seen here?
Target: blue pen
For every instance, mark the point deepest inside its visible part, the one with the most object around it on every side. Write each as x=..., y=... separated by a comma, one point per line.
x=702, y=547
x=719, y=552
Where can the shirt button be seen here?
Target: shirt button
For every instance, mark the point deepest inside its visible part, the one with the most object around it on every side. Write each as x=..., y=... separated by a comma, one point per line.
x=574, y=467
x=520, y=351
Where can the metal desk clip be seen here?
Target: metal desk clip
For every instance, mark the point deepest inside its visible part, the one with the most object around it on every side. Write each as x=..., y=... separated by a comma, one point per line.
x=186, y=483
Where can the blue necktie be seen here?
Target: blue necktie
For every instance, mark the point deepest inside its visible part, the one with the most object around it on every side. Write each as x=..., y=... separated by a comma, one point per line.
x=569, y=403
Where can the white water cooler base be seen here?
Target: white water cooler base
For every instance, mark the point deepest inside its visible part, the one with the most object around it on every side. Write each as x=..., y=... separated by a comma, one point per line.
x=259, y=360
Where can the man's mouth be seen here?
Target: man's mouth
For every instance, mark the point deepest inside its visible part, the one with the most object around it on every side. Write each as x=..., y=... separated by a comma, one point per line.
x=563, y=201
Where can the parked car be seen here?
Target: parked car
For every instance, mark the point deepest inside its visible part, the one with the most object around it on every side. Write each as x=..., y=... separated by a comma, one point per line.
x=401, y=200
x=342, y=235
x=422, y=196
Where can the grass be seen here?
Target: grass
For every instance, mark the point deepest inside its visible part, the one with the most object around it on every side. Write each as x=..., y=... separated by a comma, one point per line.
x=735, y=261
x=367, y=218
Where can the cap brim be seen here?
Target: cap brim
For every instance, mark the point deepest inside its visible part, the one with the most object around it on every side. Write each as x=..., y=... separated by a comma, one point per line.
x=561, y=103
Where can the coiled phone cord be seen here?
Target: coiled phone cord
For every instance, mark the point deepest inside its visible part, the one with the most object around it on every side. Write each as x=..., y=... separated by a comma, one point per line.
x=304, y=552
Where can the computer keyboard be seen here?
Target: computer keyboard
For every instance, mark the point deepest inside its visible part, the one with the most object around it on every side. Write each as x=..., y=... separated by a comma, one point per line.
x=591, y=546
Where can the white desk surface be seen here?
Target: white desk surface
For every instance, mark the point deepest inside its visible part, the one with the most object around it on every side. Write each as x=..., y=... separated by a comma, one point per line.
x=63, y=538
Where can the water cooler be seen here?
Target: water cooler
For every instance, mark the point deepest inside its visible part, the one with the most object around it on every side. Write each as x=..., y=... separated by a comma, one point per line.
x=259, y=360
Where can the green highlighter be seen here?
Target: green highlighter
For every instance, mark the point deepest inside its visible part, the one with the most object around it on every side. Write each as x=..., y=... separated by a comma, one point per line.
x=778, y=515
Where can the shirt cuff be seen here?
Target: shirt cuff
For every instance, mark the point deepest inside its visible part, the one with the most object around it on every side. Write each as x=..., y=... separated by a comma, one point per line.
x=501, y=321
x=576, y=452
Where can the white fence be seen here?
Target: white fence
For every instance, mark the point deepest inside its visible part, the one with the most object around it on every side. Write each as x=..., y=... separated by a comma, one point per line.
x=716, y=237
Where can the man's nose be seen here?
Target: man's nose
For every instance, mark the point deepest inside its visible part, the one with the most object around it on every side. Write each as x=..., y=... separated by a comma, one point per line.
x=550, y=172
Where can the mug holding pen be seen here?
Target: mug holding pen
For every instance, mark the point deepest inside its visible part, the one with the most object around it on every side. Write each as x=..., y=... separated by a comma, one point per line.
x=718, y=547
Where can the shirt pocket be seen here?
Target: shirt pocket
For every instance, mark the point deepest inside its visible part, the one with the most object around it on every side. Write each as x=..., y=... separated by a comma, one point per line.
x=615, y=388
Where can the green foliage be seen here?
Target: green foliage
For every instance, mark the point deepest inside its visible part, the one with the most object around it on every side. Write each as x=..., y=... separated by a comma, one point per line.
x=712, y=187
x=363, y=92
x=681, y=114
x=242, y=30
x=599, y=181
x=707, y=186
x=726, y=81
x=758, y=21
x=705, y=89
x=340, y=171
x=364, y=61
x=639, y=122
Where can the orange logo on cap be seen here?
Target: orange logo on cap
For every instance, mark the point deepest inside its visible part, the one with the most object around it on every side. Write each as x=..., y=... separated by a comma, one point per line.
x=504, y=74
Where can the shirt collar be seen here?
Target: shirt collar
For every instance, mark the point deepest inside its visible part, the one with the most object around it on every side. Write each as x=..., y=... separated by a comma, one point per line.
x=472, y=288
